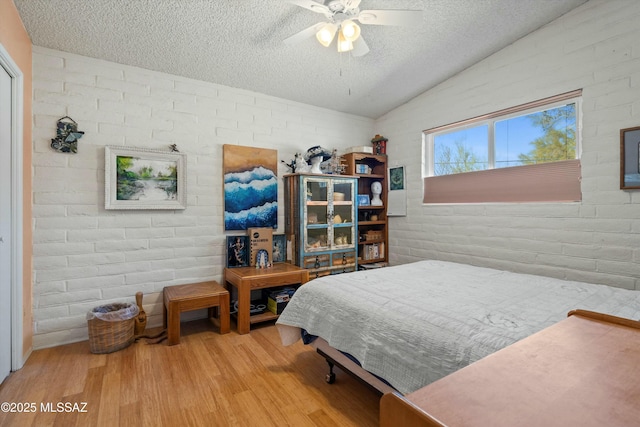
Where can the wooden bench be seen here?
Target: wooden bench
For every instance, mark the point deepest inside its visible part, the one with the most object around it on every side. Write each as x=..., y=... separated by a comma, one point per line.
x=194, y=296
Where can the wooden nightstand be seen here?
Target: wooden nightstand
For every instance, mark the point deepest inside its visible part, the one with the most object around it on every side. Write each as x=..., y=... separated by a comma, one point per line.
x=245, y=279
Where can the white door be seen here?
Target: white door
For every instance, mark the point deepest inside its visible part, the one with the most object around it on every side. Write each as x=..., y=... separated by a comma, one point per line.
x=5, y=223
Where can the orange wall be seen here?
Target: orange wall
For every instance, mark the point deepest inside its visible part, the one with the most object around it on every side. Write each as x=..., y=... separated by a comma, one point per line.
x=16, y=41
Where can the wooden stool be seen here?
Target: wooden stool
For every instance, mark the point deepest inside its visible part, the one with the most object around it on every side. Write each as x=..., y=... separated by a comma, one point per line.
x=194, y=296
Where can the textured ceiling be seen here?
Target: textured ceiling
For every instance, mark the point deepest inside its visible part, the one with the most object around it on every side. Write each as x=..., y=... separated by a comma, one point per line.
x=238, y=43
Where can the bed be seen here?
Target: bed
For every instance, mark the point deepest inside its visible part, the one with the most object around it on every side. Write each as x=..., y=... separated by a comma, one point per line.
x=413, y=324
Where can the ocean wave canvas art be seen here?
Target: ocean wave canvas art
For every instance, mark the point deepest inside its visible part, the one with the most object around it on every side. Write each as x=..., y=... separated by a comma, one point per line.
x=250, y=187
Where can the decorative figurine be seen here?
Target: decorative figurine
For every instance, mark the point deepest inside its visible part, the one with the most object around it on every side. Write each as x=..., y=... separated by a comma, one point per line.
x=301, y=165
x=291, y=165
x=141, y=320
x=316, y=155
x=67, y=136
x=262, y=259
x=376, y=191
x=379, y=143
x=336, y=165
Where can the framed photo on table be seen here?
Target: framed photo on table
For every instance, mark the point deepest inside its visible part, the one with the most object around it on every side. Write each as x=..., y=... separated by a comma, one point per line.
x=279, y=248
x=364, y=200
x=237, y=251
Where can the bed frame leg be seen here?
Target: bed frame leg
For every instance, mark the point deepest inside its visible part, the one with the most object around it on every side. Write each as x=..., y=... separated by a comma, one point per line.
x=331, y=376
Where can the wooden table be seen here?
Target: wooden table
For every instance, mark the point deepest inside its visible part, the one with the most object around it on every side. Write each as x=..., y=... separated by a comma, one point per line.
x=245, y=279
x=582, y=371
x=194, y=296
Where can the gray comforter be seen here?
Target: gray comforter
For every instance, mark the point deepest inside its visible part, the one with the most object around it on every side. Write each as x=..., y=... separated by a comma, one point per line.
x=415, y=323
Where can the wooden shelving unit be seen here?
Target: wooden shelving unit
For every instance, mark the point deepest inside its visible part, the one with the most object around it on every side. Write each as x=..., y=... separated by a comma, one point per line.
x=373, y=234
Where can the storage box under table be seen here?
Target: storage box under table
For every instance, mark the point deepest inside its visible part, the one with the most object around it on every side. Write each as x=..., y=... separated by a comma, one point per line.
x=278, y=300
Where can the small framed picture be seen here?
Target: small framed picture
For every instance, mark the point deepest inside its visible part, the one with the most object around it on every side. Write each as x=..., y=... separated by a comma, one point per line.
x=396, y=178
x=363, y=200
x=237, y=251
x=279, y=248
x=630, y=158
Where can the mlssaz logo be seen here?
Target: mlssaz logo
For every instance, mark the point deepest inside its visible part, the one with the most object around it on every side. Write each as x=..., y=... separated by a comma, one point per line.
x=63, y=407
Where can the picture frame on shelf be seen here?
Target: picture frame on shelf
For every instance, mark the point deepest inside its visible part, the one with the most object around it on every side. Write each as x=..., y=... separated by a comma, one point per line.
x=143, y=178
x=237, y=251
x=279, y=248
x=630, y=158
x=364, y=200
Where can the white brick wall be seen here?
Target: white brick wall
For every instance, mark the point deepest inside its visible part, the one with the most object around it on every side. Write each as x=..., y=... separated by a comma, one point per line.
x=85, y=256
x=595, y=47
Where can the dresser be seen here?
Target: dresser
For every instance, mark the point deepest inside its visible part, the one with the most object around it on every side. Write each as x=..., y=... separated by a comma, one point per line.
x=582, y=371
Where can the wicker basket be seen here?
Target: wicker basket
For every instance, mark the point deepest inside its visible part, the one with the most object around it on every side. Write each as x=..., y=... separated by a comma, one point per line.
x=111, y=327
x=373, y=235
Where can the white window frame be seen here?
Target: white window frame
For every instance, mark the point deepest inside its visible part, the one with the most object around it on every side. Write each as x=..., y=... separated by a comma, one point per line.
x=490, y=119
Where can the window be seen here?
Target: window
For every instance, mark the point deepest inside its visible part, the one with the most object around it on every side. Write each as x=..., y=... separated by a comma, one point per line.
x=536, y=137
x=463, y=150
x=534, y=134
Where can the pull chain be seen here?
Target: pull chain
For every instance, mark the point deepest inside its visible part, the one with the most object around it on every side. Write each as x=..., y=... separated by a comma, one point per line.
x=341, y=75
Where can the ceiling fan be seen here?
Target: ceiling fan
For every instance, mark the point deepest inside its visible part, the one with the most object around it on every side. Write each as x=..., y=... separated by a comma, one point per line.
x=340, y=15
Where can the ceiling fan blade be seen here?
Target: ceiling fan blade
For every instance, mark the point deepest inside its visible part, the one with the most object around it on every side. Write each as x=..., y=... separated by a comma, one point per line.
x=351, y=4
x=313, y=6
x=304, y=34
x=360, y=47
x=390, y=17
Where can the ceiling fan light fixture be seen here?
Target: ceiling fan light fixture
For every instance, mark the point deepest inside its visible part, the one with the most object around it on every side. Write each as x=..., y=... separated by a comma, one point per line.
x=350, y=30
x=326, y=34
x=344, y=45
x=341, y=17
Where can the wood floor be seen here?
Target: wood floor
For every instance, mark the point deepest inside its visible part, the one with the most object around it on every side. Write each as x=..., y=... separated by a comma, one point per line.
x=206, y=380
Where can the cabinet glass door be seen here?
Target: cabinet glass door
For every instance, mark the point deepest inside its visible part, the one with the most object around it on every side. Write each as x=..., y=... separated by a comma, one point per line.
x=342, y=214
x=329, y=213
x=316, y=214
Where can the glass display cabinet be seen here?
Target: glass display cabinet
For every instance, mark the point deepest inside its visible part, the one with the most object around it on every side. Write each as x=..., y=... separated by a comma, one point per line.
x=321, y=222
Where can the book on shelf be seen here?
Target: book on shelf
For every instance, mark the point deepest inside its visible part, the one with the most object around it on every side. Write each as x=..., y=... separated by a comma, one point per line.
x=373, y=251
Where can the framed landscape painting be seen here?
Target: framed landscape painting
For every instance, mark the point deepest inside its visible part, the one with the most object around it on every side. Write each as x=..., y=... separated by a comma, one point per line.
x=141, y=178
x=250, y=187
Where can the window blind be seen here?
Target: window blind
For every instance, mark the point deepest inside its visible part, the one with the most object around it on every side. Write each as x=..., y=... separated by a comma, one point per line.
x=544, y=182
